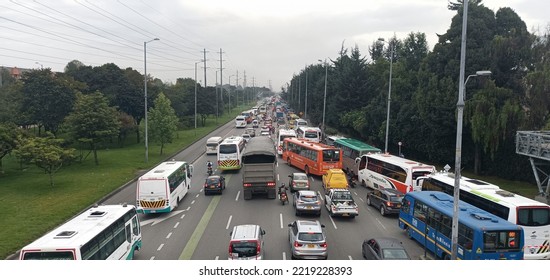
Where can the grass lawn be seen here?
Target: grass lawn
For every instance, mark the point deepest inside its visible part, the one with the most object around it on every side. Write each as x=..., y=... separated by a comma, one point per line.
x=29, y=206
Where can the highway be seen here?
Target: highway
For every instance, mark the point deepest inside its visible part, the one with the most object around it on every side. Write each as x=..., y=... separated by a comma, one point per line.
x=199, y=228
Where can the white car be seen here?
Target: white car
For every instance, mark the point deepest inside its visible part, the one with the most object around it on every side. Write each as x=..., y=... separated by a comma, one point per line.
x=265, y=133
x=246, y=137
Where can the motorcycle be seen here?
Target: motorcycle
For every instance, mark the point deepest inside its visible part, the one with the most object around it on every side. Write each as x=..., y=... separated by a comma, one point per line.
x=283, y=197
x=209, y=171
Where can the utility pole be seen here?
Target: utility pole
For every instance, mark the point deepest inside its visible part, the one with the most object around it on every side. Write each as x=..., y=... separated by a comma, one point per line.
x=299, y=92
x=204, y=68
x=305, y=109
x=221, y=79
x=253, y=97
x=244, y=86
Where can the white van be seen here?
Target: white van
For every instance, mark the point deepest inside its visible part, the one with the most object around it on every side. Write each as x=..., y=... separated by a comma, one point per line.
x=247, y=243
x=300, y=122
x=212, y=145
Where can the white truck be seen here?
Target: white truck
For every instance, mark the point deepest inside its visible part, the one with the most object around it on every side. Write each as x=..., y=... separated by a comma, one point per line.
x=339, y=202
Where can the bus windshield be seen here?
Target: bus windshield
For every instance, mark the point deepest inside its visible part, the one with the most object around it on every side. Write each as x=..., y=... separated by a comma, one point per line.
x=58, y=255
x=533, y=216
x=331, y=155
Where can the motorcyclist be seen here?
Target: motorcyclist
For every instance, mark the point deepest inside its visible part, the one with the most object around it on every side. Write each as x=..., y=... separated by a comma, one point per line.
x=351, y=178
x=209, y=166
x=283, y=189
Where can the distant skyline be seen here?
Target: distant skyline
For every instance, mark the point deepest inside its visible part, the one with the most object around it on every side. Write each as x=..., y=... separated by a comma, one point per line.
x=269, y=40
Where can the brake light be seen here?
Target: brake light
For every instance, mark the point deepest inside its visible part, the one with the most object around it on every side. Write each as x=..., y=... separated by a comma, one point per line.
x=271, y=184
x=324, y=245
x=205, y=185
x=258, y=249
x=231, y=249
x=247, y=185
x=296, y=244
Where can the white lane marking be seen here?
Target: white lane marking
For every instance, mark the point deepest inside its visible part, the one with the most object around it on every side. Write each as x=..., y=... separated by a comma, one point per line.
x=278, y=177
x=361, y=199
x=281, y=219
x=237, y=197
x=197, y=195
x=192, y=202
x=350, y=258
x=160, y=247
x=335, y=227
x=168, y=236
x=381, y=224
x=217, y=257
x=182, y=216
x=176, y=225
x=284, y=256
x=229, y=221
x=188, y=207
x=152, y=258
x=321, y=196
x=201, y=190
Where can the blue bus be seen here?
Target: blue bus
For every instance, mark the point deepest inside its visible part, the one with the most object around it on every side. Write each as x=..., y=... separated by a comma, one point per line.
x=427, y=217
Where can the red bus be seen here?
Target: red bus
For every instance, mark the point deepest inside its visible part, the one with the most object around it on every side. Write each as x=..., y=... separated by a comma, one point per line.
x=313, y=158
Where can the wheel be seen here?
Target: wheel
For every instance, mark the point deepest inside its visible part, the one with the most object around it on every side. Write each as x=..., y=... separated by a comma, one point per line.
x=368, y=201
x=363, y=183
x=447, y=257
x=409, y=233
x=297, y=213
x=383, y=210
x=306, y=170
x=288, y=161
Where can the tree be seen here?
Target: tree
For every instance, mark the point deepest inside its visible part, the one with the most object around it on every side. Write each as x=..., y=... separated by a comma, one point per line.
x=8, y=140
x=44, y=152
x=163, y=121
x=92, y=121
x=46, y=99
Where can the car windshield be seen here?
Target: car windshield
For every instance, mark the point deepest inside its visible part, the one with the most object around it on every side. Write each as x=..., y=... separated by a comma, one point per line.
x=300, y=177
x=394, y=254
x=310, y=236
x=244, y=249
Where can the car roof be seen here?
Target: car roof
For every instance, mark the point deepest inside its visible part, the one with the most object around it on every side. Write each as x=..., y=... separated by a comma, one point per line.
x=213, y=177
x=309, y=226
x=299, y=173
x=388, y=242
x=392, y=191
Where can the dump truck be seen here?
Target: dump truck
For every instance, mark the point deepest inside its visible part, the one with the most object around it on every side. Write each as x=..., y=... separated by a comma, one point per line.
x=258, y=169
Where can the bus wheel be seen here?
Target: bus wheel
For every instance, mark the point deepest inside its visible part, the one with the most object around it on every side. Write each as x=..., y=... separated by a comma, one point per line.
x=363, y=183
x=447, y=257
x=306, y=170
x=409, y=233
x=288, y=161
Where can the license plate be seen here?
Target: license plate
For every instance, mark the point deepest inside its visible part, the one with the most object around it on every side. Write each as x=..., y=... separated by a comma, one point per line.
x=309, y=207
x=345, y=215
x=311, y=246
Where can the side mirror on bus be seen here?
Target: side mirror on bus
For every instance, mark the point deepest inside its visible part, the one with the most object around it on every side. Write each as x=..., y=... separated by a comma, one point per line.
x=357, y=160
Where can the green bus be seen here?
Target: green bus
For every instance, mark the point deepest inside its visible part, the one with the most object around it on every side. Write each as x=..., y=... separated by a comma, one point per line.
x=352, y=149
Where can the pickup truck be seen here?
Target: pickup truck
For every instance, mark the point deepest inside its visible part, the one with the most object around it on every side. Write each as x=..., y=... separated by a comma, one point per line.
x=339, y=202
x=334, y=179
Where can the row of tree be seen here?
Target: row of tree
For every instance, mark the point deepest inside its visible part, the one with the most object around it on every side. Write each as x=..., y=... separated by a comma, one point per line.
x=89, y=107
x=424, y=92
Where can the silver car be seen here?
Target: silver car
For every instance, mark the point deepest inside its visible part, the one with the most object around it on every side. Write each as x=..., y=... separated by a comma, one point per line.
x=298, y=181
x=307, y=202
x=307, y=240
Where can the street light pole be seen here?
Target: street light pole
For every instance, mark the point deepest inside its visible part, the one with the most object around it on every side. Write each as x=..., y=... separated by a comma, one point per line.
x=392, y=50
x=145, y=93
x=196, y=93
x=324, y=97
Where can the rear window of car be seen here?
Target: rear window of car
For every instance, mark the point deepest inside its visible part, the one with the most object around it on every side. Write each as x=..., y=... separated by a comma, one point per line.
x=300, y=177
x=212, y=180
x=310, y=236
x=308, y=198
x=244, y=248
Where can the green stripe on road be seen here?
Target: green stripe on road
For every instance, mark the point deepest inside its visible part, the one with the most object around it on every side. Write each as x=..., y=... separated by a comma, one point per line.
x=201, y=227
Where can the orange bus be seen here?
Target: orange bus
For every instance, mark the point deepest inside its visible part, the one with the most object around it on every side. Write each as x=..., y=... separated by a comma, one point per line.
x=312, y=158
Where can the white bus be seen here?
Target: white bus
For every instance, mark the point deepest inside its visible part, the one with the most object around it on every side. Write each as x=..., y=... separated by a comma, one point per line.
x=309, y=133
x=163, y=187
x=378, y=171
x=230, y=153
x=212, y=145
x=240, y=121
x=301, y=122
x=104, y=232
x=281, y=135
x=531, y=215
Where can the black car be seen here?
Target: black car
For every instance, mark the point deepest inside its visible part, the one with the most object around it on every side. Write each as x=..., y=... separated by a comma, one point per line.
x=388, y=201
x=214, y=184
x=384, y=248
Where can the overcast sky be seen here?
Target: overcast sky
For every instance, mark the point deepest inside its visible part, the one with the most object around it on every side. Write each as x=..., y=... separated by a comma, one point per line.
x=269, y=40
